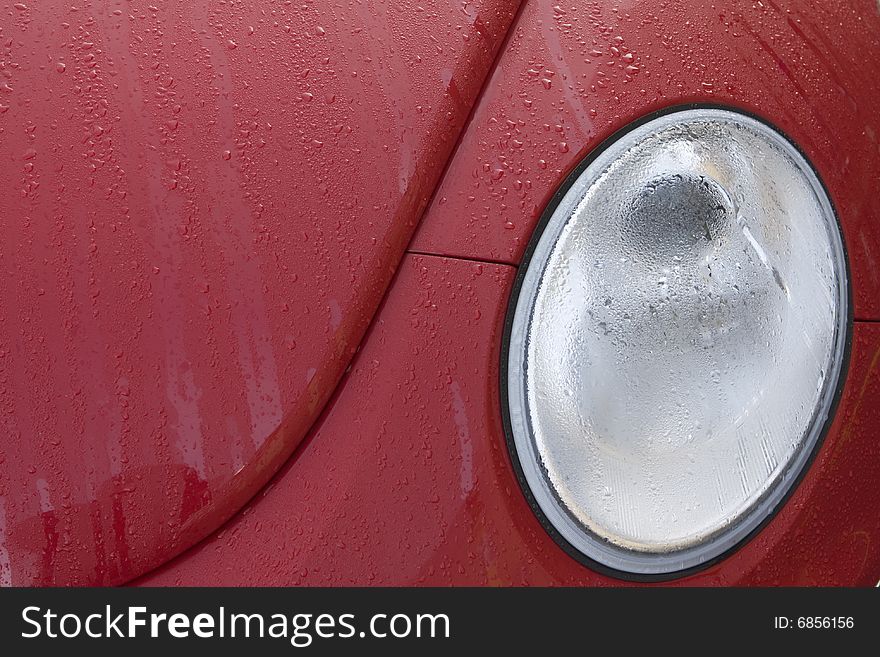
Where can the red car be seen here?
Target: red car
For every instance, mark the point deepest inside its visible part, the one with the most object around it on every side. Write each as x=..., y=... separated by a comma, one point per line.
x=439, y=293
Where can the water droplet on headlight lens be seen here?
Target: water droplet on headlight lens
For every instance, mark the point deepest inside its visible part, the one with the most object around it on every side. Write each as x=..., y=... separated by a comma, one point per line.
x=677, y=341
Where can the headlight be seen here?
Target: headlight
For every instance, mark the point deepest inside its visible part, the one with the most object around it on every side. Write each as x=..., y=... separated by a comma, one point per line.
x=676, y=341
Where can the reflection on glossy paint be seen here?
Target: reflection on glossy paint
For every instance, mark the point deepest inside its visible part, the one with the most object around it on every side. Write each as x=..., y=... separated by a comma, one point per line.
x=466, y=448
x=5, y=564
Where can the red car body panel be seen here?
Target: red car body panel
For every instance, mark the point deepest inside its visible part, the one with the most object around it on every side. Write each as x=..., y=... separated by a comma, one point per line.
x=165, y=266
x=202, y=206
x=407, y=479
x=574, y=73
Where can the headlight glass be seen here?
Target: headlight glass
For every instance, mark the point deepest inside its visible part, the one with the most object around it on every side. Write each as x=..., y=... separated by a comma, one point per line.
x=676, y=341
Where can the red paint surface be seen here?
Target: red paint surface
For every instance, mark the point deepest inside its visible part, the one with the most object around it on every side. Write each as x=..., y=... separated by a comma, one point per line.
x=202, y=204
x=198, y=220
x=573, y=73
x=407, y=479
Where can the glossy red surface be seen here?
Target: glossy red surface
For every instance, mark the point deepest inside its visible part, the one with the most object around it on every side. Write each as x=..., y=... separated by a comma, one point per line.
x=202, y=205
x=575, y=72
x=406, y=480
x=210, y=199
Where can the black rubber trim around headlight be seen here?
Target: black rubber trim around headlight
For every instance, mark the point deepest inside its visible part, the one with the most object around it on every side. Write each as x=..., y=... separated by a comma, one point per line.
x=523, y=265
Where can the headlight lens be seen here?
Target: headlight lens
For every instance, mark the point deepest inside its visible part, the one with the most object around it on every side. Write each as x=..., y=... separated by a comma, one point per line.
x=677, y=340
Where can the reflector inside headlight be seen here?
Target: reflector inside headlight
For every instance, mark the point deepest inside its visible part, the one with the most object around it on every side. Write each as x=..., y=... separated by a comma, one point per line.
x=676, y=341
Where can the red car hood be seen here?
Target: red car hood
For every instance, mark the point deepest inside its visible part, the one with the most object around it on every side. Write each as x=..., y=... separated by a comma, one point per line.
x=202, y=207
